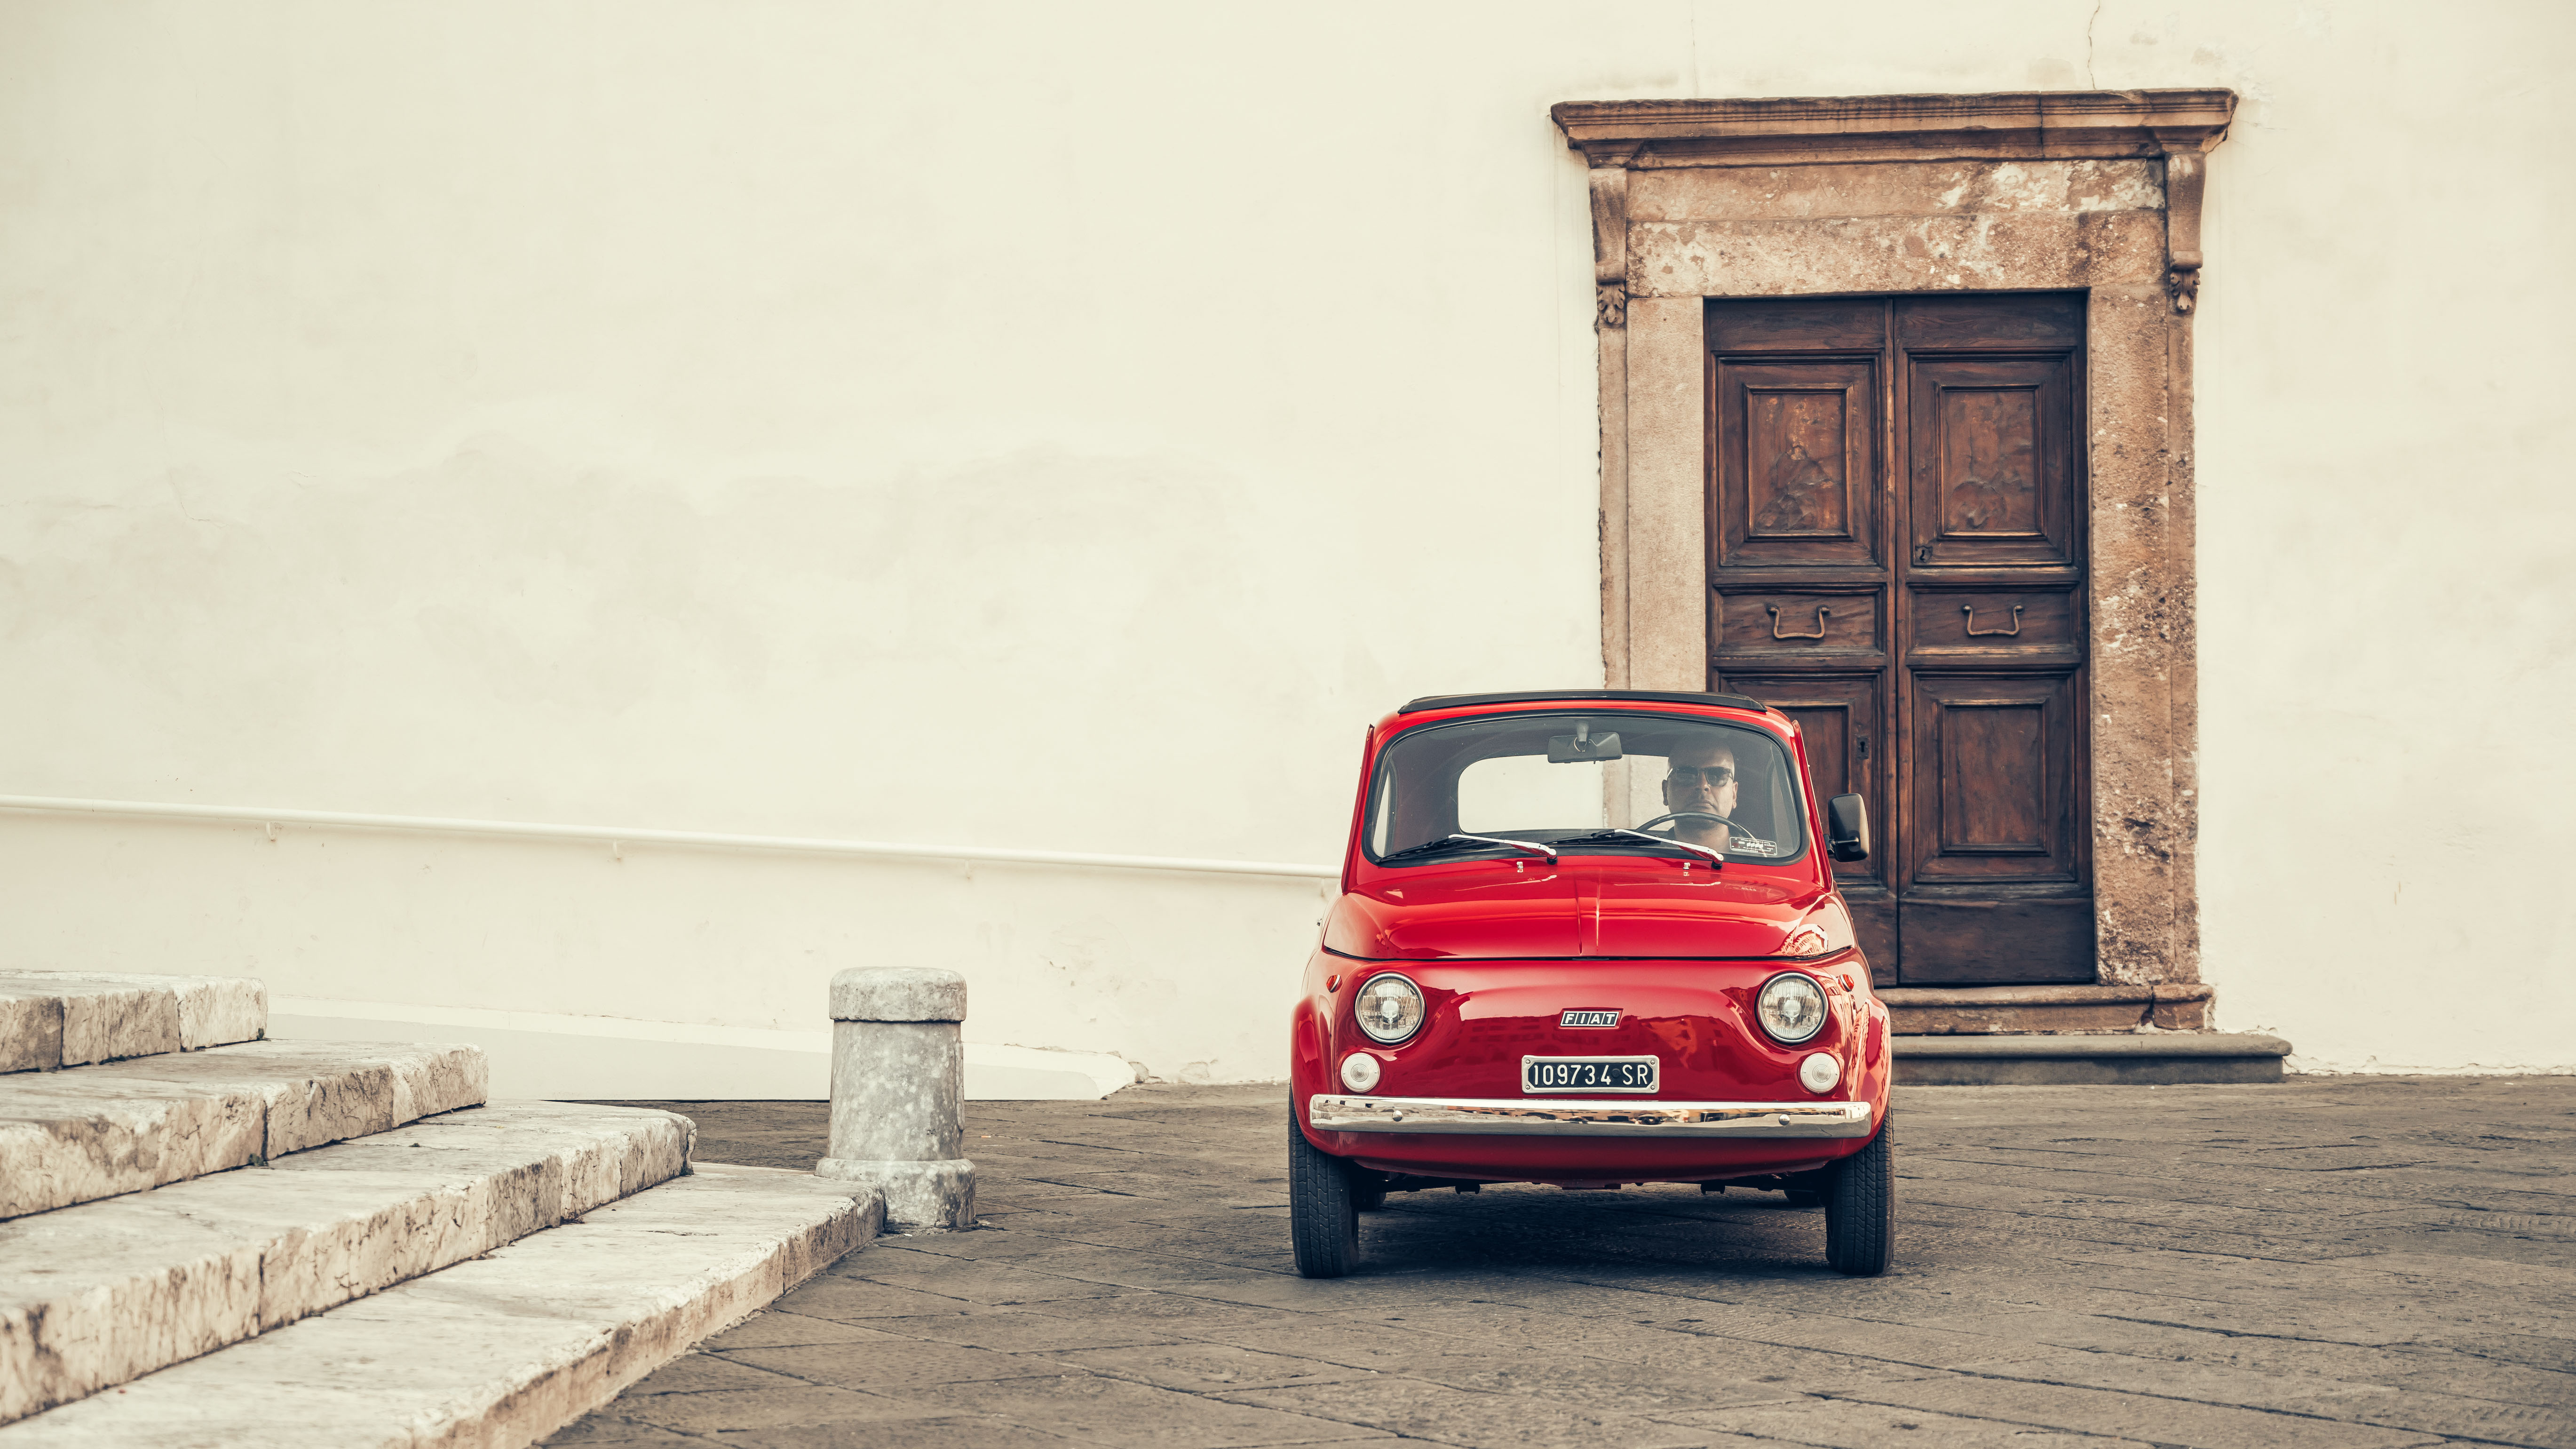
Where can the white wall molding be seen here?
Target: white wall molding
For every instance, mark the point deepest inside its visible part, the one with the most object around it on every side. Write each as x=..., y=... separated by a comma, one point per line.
x=619, y=836
x=557, y=1055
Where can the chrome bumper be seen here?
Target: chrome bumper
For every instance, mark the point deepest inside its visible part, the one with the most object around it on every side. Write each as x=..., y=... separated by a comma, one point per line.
x=1561, y=1118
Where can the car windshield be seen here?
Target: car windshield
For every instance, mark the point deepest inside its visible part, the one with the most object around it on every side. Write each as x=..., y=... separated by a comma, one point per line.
x=1573, y=781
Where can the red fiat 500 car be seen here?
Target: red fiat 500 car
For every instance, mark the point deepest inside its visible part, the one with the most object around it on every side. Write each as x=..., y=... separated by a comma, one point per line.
x=1590, y=938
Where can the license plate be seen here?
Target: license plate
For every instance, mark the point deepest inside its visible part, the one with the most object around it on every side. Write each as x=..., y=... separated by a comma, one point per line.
x=1588, y=1074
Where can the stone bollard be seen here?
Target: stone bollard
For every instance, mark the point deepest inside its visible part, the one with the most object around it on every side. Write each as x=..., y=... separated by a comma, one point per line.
x=898, y=1077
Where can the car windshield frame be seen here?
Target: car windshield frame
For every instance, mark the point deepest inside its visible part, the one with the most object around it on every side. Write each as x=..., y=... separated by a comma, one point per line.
x=1572, y=841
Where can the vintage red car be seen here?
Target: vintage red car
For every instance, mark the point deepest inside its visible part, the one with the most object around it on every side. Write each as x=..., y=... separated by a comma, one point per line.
x=1590, y=938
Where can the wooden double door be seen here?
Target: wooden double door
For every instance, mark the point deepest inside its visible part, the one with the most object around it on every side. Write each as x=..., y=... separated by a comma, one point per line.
x=1896, y=520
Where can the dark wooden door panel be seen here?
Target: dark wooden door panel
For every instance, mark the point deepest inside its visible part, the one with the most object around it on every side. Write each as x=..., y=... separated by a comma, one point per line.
x=1985, y=627
x=1896, y=557
x=1830, y=626
x=1993, y=794
x=2051, y=322
x=1798, y=470
x=1989, y=448
x=1996, y=942
x=1823, y=324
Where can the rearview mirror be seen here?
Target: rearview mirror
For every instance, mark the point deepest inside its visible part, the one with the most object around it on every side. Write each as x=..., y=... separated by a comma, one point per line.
x=1847, y=828
x=1582, y=747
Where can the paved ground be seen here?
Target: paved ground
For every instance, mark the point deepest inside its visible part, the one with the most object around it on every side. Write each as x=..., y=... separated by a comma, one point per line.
x=2333, y=1262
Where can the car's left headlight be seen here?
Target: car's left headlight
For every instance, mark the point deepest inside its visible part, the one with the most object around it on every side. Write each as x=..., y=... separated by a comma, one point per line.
x=1791, y=1007
x=1388, y=1008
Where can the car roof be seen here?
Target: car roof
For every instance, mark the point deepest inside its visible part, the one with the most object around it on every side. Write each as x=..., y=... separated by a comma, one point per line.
x=1649, y=696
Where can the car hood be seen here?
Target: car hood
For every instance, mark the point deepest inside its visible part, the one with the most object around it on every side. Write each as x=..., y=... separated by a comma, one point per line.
x=1603, y=906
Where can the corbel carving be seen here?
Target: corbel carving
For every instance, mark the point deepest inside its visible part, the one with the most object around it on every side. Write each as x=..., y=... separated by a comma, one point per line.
x=1609, y=177
x=2186, y=176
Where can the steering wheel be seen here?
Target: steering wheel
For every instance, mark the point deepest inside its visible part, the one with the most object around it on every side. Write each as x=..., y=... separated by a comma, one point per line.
x=1731, y=826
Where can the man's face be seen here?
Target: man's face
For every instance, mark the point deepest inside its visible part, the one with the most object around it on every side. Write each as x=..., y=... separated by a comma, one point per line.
x=1702, y=778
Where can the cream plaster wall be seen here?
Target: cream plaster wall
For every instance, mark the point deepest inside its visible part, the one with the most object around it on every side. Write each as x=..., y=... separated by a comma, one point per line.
x=1062, y=427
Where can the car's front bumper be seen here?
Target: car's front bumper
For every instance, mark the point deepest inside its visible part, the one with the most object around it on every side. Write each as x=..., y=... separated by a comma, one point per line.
x=1590, y=1118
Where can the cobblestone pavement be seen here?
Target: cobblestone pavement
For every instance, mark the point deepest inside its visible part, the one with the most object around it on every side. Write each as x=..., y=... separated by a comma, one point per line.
x=2333, y=1262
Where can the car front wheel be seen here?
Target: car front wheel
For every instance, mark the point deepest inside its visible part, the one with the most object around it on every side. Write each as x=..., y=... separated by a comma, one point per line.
x=1323, y=1216
x=1860, y=1210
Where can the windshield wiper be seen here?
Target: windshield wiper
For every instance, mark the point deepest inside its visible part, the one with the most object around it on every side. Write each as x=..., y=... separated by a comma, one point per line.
x=1455, y=841
x=1616, y=831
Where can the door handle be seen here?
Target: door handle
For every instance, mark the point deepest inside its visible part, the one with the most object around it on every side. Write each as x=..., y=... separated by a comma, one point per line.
x=1976, y=633
x=1821, y=613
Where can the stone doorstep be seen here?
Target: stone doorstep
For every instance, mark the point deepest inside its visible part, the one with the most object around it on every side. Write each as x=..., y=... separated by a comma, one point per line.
x=505, y=1349
x=1946, y=1010
x=55, y=1019
x=98, y=1294
x=86, y=1133
x=2152, y=1058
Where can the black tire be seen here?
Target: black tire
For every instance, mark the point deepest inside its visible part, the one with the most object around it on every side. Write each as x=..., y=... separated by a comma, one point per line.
x=1323, y=1216
x=1860, y=1210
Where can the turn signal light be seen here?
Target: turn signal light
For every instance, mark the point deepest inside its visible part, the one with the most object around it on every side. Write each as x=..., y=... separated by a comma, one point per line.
x=1360, y=1072
x=1819, y=1073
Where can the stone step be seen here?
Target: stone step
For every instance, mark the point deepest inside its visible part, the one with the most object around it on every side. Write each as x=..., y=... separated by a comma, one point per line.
x=1968, y=1010
x=2152, y=1058
x=54, y=1019
x=95, y=1295
x=505, y=1349
x=86, y=1133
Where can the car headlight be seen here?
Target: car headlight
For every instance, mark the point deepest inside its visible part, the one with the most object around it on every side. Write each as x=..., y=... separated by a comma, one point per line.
x=1791, y=1007
x=1389, y=1008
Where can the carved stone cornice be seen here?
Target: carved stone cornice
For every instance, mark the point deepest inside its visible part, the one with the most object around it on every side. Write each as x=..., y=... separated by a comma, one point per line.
x=2178, y=126
x=2016, y=125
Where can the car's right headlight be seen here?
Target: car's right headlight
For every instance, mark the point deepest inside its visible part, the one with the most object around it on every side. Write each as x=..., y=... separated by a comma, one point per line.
x=1790, y=1006
x=1388, y=1008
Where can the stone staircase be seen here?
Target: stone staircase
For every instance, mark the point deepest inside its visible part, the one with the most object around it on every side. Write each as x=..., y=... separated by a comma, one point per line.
x=209, y=1239
x=2032, y=1036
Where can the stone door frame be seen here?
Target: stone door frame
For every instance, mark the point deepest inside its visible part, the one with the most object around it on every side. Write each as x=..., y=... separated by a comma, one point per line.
x=2092, y=191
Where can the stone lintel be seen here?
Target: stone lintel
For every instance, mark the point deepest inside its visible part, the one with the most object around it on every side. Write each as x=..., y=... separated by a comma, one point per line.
x=1794, y=130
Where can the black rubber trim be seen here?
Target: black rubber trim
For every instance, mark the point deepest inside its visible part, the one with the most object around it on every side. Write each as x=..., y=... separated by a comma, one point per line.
x=1455, y=701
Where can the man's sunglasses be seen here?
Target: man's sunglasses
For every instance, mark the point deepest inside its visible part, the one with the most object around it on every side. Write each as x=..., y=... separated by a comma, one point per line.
x=1715, y=777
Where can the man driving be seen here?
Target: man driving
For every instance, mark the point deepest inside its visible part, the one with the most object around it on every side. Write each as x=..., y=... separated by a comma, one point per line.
x=1702, y=779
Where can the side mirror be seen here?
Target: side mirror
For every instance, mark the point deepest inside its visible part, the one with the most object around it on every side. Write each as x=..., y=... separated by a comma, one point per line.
x=1847, y=828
